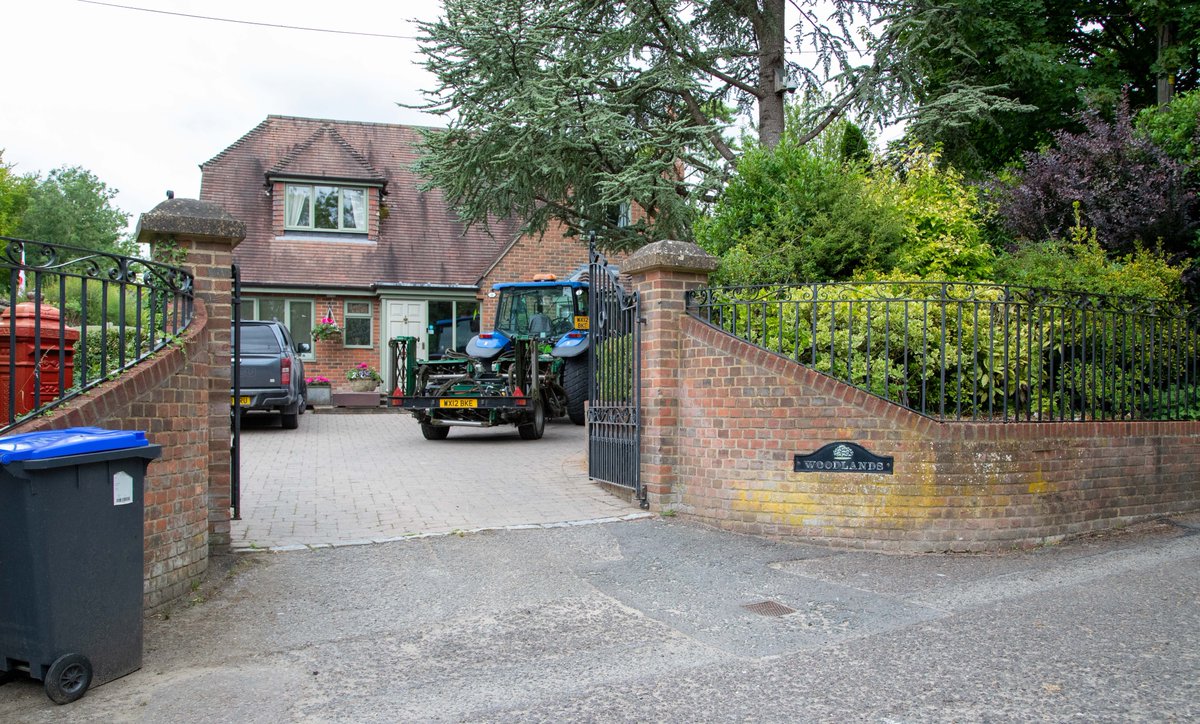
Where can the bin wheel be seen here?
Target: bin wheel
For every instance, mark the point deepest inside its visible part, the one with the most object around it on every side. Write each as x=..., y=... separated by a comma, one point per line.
x=69, y=677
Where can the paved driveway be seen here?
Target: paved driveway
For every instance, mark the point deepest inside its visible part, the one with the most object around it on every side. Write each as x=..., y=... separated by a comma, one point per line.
x=353, y=479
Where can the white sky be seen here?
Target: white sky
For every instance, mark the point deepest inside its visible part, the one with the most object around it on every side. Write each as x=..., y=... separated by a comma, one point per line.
x=141, y=99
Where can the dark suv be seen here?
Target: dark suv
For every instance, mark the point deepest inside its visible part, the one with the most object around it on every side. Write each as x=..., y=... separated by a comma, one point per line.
x=272, y=373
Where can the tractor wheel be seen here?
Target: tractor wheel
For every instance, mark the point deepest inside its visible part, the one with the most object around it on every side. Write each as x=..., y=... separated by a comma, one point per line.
x=575, y=382
x=533, y=429
x=434, y=432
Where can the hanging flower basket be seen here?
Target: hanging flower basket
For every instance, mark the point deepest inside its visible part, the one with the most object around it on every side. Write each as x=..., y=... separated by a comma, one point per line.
x=326, y=329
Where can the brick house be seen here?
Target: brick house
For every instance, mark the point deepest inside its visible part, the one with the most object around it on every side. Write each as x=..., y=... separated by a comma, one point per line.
x=336, y=226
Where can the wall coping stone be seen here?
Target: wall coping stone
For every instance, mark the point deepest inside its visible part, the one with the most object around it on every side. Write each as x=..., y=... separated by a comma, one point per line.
x=671, y=256
x=190, y=217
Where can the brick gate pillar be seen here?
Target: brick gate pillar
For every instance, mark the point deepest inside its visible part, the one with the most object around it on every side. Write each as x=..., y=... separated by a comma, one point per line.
x=204, y=236
x=662, y=272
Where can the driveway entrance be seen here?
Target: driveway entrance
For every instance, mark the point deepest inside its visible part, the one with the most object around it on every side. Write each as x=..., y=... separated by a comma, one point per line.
x=353, y=479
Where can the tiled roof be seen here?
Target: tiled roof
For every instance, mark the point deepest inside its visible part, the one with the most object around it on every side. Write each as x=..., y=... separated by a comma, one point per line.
x=326, y=154
x=420, y=242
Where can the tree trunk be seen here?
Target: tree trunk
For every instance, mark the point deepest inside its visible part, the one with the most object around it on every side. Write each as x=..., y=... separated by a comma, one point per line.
x=1164, y=76
x=769, y=27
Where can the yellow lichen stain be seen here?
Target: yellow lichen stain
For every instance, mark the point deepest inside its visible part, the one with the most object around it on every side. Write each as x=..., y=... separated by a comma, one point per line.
x=1039, y=486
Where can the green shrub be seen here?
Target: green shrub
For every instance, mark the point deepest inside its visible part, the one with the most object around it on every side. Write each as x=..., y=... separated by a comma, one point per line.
x=1079, y=263
x=1176, y=128
x=614, y=369
x=942, y=220
x=970, y=350
x=800, y=213
x=103, y=305
x=797, y=212
x=106, y=340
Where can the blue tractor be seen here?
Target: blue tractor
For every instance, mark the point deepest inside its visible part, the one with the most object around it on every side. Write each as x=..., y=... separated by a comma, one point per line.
x=532, y=365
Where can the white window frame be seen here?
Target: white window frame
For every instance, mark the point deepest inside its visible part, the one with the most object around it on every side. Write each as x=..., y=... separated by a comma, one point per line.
x=249, y=308
x=347, y=315
x=312, y=212
x=308, y=356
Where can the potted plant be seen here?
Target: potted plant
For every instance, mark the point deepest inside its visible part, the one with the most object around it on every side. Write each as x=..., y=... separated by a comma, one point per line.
x=363, y=378
x=326, y=329
x=318, y=390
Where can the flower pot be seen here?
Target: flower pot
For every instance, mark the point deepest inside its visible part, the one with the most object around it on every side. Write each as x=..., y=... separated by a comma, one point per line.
x=363, y=385
x=318, y=395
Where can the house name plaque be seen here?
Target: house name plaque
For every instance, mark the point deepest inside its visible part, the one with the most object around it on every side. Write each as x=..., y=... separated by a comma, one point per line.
x=843, y=457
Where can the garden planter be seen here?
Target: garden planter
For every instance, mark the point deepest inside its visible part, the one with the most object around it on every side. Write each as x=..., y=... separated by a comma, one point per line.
x=363, y=385
x=318, y=395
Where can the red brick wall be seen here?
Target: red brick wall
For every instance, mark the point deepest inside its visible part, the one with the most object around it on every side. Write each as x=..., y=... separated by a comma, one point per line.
x=333, y=358
x=722, y=420
x=957, y=486
x=164, y=396
x=180, y=397
x=209, y=259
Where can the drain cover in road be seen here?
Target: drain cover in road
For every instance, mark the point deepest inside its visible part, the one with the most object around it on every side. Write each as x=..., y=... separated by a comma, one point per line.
x=768, y=608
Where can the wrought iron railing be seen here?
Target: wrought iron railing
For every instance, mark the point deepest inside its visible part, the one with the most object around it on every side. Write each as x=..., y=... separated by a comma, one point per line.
x=957, y=351
x=77, y=317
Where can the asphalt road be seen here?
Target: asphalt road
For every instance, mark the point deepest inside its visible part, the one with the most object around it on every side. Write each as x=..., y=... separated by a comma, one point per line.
x=645, y=621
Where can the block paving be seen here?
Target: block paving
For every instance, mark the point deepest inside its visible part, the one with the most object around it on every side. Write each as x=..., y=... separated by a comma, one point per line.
x=355, y=479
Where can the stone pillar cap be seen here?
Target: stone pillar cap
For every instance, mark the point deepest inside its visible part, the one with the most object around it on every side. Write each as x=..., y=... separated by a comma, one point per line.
x=670, y=255
x=189, y=217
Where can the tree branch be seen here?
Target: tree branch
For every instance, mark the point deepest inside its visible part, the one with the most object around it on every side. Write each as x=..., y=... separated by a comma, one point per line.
x=713, y=136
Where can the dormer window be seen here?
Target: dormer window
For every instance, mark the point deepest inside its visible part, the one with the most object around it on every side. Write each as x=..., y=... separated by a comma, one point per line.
x=316, y=207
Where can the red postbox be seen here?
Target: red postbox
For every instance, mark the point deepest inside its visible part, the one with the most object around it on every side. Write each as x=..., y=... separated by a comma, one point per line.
x=36, y=359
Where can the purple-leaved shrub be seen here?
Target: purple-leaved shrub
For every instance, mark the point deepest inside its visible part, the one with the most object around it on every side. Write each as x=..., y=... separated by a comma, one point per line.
x=1128, y=190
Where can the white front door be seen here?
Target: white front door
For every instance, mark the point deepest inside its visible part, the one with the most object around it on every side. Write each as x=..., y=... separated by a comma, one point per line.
x=404, y=318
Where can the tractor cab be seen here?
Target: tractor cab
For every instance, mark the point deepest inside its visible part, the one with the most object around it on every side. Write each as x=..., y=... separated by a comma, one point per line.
x=547, y=309
x=550, y=311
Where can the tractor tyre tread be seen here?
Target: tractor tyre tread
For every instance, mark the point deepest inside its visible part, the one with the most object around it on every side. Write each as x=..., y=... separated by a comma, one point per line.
x=575, y=381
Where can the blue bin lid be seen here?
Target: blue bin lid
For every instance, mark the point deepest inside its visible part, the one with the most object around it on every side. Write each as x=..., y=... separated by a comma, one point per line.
x=72, y=441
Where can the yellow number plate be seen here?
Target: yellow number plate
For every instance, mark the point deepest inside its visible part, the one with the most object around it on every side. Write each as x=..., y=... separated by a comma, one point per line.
x=581, y=323
x=458, y=403
x=243, y=401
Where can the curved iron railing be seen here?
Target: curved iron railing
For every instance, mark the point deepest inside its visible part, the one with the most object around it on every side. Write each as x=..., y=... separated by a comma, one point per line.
x=113, y=312
x=960, y=351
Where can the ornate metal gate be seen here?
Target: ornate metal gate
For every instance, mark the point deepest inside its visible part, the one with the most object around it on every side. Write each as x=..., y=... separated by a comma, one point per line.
x=614, y=390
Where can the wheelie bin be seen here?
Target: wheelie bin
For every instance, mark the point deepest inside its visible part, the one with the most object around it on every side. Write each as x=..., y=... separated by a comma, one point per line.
x=71, y=556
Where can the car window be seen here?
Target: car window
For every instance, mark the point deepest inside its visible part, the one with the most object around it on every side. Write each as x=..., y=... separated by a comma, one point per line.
x=259, y=339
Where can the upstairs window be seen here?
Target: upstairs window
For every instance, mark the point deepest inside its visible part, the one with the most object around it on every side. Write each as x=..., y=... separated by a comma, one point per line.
x=326, y=208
